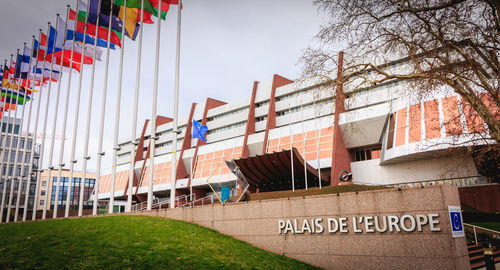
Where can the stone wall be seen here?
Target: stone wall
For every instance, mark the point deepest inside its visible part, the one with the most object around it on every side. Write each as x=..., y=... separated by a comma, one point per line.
x=257, y=223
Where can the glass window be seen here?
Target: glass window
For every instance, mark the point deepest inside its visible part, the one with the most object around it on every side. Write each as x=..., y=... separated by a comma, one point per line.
x=43, y=192
x=42, y=202
x=44, y=183
x=30, y=143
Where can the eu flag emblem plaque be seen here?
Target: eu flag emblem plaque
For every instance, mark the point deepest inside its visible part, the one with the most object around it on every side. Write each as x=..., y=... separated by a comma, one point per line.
x=457, y=225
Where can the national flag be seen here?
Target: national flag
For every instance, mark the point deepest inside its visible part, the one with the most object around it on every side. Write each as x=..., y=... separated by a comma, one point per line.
x=105, y=15
x=88, y=39
x=39, y=53
x=131, y=24
x=199, y=131
x=102, y=32
x=14, y=97
x=147, y=17
x=67, y=46
x=148, y=7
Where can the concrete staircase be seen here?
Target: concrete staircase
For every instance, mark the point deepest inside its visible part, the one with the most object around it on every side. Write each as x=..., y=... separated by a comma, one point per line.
x=476, y=256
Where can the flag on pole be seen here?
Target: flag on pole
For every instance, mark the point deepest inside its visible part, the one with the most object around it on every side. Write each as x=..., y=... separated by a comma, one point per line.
x=67, y=46
x=199, y=131
x=39, y=52
x=15, y=98
x=148, y=7
x=131, y=24
x=102, y=32
x=104, y=16
x=87, y=38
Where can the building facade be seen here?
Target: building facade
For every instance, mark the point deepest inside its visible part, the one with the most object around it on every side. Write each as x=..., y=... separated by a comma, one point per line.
x=47, y=195
x=17, y=164
x=382, y=135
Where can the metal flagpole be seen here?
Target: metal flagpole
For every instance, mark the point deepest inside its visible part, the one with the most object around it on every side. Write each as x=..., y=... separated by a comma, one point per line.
x=16, y=153
x=4, y=152
x=50, y=183
x=152, y=140
x=291, y=147
x=65, y=117
x=8, y=151
x=2, y=143
x=38, y=173
x=305, y=138
x=23, y=157
x=77, y=111
x=33, y=145
x=89, y=107
x=101, y=128
x=117, y=117
x=133, y=139
x=318, y=137
x=176, y=105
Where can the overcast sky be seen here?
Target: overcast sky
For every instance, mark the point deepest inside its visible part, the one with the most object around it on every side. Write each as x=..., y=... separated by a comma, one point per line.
x=225, y=46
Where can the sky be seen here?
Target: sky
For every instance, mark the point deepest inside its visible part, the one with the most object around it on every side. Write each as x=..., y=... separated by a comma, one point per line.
x=226, y=45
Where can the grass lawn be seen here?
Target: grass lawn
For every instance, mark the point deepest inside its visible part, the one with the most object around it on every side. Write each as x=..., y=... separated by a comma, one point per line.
x=129, y=242
x=488, y=225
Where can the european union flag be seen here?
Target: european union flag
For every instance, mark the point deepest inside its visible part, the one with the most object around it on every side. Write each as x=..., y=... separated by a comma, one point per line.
x=199, y=131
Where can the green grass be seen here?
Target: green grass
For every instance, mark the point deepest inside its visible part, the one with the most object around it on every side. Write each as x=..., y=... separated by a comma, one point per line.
x=488, y=225
x=129, y=242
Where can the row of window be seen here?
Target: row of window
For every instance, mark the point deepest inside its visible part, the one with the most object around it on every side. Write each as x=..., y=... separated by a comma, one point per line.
x=20, y=156
x=16, y=128
x=226, y=114
x=14, y=142
x=217, y=130
x=18, y=170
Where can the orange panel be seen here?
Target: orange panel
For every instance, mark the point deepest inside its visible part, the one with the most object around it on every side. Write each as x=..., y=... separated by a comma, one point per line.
x=312, y=134
x=285, y=146
x=271, y=149
x=376, y=154
x=209, y=156
x=201, y=157
x=401, y=127
x=228, y=152
x=311, y=156
x=415, y=122
x=451, y=116
x=205, y=173
x=474, y=122
x=298, y=144
x=298, y=137
x=312, y=141
x=325, y=154
x=311, y=148
x=237, y=150
x=431, y=114
x=327, y=131
x=219, y=153
x=326, y=139
x=285, y=140
x=273, y=142
x=325, y=146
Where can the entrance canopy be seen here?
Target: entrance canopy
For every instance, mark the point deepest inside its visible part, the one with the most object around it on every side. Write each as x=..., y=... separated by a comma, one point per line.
x=271, y=171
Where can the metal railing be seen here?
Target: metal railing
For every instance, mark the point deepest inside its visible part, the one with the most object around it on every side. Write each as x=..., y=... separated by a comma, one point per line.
x=193, y=203
x=493, y=233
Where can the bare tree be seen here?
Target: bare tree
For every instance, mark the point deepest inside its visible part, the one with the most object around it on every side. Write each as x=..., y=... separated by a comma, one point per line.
x=442, y=42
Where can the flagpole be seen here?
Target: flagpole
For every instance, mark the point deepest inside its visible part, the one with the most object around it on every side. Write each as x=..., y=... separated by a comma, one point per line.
x=86, y=156
x=117, y=116
x=38, y=173
x=77, y=111
x=4, y=138
x=2, y=122
x=51, y=183
x=304, y=144
x=9, y=152
x=25, y=146
x=103, y=111
x=152, y=140
x=32, y=154
x=65, y=117
x=291, y=147
x=176, y=105
x=133, y=139
x=318, y=137
x=16, y=153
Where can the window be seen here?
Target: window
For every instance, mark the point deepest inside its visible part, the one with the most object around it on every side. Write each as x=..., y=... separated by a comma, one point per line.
x=42, y=202
x=43, y=192
x=44, y=183
x=367, y=154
